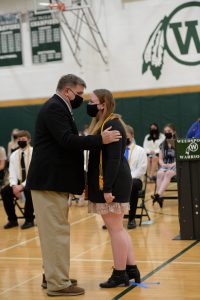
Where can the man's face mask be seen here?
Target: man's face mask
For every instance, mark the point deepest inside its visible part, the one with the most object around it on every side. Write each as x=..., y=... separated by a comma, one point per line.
x=22, y=144
x=92, y=110
x=15, y=136
x=128, y=141
x=77, y=101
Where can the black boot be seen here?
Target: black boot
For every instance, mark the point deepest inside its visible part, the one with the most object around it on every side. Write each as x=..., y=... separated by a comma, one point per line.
x=157, y=198
x=133, y=273
x=118, y=278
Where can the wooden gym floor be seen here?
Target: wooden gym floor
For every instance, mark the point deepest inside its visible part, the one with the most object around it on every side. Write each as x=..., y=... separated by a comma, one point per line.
x=170, y=268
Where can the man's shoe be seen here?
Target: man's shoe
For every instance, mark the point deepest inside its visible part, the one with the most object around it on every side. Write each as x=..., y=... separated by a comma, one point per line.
x=11, y=224
x=131, y=224
x=69, y=291
x=27, y=225
x=44, y=282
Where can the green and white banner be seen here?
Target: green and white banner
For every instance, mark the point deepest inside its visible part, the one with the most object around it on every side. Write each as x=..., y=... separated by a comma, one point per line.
x=45, y=38
x=10, y=40
x=173, y=42
x=188, y=149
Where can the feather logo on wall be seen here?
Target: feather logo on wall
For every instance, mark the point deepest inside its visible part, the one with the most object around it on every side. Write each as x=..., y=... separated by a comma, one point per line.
x=154, y=51
x=153, y=55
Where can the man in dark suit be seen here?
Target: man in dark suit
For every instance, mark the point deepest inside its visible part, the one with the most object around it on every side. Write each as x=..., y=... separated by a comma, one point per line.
x=57, y=169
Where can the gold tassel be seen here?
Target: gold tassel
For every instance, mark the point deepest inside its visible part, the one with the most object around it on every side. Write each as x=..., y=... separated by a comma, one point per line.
x=101, y=182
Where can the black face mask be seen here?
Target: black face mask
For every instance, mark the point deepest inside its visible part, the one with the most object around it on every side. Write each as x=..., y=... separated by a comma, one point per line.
x=15, y=136
x=128, y=141
x=153, y=131
x=168, y=135
x=92, y=110
x=22, y=144
x=78, y=100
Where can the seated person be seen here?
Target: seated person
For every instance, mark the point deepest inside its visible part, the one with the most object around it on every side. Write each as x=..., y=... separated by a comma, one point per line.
x=137, y=160
x=151, y=145
x=3, y=159
x=18, y=168
x=194, y=130
x=167, y=162
x=12, y=145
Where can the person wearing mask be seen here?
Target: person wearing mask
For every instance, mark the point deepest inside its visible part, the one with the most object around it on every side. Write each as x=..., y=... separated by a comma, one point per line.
x=13, y=145
x=137, y=160
x=18, y=168
x=194, y=130
x=109, y=187
x=151, y=145
x=167, y=162
x=57, y=170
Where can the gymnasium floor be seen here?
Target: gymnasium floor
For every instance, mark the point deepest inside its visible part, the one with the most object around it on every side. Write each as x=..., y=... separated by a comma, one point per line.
x=170, y=268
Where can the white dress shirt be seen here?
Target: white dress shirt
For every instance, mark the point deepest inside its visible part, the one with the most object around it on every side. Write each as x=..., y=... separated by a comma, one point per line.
x=66, y=103
x=153, y=145
x=15, y=173
x=137, y=160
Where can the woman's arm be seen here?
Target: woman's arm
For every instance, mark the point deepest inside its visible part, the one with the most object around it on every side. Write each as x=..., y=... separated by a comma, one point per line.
x=161, y=162
x=146, y=144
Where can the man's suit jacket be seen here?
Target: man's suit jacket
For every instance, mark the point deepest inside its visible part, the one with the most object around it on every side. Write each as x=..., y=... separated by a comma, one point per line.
x=57, y=162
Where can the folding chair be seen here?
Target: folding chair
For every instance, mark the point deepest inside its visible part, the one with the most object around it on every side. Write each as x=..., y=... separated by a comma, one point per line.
x=141, y=207
x=20, y=207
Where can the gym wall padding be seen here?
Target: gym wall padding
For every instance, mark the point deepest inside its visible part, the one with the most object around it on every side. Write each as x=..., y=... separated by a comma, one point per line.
x=180, y=109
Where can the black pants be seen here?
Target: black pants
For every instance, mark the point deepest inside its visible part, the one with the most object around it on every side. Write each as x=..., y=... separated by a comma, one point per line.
x=136, y=187
x=8, y=202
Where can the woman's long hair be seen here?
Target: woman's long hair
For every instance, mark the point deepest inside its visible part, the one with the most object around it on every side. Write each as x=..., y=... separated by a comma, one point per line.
x=154, y=136
x=104, y=96
x=174, y=137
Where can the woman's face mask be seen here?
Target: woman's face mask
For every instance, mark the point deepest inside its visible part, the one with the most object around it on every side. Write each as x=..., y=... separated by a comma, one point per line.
x=153, y=130
x=92, y=110
x=168, y=135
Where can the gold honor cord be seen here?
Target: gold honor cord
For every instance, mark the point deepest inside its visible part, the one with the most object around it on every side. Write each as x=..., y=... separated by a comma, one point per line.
x=101, y=156
x=131, y=152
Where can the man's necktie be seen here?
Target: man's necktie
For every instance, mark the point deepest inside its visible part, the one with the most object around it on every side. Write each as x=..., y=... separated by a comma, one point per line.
x=23, y=167
x=126, y=154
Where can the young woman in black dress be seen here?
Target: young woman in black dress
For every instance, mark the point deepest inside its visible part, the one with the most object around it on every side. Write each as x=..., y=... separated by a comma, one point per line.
x=109, y=187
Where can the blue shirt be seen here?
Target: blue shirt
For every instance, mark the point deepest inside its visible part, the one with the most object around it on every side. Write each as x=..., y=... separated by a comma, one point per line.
x=194, y=131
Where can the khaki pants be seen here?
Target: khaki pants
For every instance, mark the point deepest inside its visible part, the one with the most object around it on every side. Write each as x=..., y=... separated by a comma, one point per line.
x=51, y=212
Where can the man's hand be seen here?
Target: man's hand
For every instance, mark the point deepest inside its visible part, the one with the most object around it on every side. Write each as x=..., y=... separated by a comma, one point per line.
x=108, y=197
x=17, y=189
x=109, y=136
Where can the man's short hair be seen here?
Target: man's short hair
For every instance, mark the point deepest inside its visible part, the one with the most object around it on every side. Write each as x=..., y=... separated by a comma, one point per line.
x=130, y=130
x=24, y=133
x=70, y=80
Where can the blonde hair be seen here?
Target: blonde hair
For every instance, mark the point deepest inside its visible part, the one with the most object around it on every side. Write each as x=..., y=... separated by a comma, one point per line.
x=104, y=96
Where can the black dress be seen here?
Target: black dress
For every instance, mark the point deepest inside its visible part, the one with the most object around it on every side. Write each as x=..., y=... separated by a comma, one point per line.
x=116, y=174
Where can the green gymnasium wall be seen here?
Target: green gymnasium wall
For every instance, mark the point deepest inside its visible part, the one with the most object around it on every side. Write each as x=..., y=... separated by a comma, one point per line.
x=139, y=112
